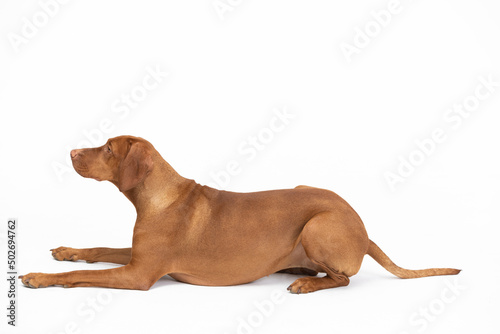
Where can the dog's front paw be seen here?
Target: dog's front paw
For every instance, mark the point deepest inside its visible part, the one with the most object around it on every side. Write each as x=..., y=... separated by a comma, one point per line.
x=35, y=280
x=64, y=254
x=68, y=254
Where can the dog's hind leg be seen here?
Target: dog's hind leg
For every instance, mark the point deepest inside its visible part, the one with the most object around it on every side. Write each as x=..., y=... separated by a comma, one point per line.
x=337, y=242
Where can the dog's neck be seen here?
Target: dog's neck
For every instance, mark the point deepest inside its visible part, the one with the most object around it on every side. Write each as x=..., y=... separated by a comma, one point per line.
x=161, y=187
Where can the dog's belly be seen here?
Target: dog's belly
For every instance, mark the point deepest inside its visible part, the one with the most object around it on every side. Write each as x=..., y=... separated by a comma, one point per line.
x=243, y=269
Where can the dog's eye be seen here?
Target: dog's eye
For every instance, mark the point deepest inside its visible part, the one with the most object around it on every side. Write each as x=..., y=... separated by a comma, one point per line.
x=108, y=149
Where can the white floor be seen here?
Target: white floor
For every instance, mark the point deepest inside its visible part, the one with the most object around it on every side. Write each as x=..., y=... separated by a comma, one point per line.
x=374, y=302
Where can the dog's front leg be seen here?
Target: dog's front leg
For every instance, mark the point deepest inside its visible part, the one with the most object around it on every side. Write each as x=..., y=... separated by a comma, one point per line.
x=132, y=277
x=99, y=254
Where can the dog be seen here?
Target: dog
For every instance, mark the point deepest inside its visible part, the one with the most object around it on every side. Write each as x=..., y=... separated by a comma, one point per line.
x=204, y=236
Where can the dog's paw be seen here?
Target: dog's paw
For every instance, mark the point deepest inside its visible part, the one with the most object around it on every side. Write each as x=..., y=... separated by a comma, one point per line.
x=35, y=280
x=64, y=254
x=67, y=254
x=304, y=285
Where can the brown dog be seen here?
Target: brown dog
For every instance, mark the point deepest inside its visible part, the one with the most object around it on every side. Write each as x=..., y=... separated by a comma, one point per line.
x=204, y=236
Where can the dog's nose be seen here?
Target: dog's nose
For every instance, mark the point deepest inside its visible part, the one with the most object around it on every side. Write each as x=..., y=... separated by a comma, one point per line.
x=74, y=153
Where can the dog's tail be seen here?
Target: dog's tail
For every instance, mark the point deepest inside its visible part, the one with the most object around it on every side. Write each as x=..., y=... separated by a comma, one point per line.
x=378, y=255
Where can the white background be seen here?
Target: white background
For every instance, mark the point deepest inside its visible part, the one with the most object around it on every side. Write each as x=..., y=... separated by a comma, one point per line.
x=352, y=120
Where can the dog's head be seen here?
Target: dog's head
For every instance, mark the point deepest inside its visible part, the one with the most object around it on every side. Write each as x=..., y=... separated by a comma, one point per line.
x=125, y=161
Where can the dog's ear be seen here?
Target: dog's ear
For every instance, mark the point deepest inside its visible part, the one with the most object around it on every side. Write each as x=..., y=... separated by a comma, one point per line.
x=134, y=167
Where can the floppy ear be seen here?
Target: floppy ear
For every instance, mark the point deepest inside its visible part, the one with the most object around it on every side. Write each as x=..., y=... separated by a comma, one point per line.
x=134, y=168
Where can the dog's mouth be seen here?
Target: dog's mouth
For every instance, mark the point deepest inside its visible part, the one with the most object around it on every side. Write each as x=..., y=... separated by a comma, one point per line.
x=81, y=169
